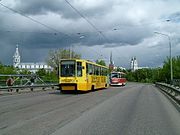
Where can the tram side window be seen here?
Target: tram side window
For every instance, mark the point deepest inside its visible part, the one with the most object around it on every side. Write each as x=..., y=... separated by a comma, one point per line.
x=79, y=69
x=94, y=70
x=97, y=70
x=105, y=71
x=89, y=69
x=101, y=71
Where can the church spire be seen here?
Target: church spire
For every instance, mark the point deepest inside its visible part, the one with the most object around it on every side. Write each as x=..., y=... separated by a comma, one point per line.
x=111, y=63
x=16, y=57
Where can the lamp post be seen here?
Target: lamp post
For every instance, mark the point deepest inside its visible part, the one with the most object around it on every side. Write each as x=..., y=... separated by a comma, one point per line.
x=170, y=53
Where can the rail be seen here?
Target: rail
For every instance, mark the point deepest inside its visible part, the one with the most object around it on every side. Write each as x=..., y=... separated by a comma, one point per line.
x=26, y=87
x=171, y=90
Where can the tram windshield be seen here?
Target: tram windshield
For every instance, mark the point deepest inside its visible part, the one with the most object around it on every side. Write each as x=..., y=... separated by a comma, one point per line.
x=115, y=75
x=67, y=68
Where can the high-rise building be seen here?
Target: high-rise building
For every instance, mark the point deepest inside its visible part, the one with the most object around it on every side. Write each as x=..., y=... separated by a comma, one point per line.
x=32, y=67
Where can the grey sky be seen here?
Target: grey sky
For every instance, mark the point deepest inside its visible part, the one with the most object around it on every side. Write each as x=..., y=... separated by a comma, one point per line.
x=128, y=26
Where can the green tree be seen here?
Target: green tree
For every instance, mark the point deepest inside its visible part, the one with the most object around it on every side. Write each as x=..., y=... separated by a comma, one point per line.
x=176, y=67
x=23, y=71
x=4, y=69
x=47, y=76
x=55, y=56
x=166, y=69
x=157, y=74
x=41, y=72
x=121, y=70
x=7, y=69
x=101, y=62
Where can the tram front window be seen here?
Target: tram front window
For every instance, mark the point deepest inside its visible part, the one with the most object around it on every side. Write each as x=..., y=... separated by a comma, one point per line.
x=115, y=75
x=68, y=68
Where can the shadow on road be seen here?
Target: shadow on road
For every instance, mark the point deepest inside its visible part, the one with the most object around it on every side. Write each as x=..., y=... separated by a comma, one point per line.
x=68, y=92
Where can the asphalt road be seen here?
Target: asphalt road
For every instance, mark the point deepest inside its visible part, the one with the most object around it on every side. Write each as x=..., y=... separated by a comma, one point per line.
x=136, y=109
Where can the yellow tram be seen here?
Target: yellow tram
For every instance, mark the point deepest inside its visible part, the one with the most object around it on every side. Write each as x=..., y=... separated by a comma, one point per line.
x=82, y=75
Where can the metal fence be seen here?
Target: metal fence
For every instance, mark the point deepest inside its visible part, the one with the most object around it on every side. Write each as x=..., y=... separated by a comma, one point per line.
x=19, y=88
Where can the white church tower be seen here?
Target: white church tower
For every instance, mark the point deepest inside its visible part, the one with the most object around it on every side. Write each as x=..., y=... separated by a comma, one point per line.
x=134, y=64
x=16, y=57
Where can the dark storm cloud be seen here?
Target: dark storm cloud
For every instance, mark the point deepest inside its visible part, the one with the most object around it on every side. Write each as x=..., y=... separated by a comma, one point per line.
x=124, y=37
x=174, y=17
x=128, y=35
x=48, y=40
x=36, y=7
x=35, y=39
x=132, y=19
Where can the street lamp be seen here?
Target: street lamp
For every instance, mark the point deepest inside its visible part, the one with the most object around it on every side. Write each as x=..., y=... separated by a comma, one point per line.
x=171, y=69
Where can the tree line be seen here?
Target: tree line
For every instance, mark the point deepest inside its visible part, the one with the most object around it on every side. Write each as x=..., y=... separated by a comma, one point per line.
x=149, y=75
x=160, y=74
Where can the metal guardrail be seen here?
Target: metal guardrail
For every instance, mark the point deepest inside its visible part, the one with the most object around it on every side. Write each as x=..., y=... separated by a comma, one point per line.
x=176, y=82
x=171, y=90
x=30, y=87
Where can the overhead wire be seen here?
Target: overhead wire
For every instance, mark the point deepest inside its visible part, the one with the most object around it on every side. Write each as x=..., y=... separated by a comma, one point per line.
x=90, y=23
x=50, y=28
x=137, y=25
x=87, y=20
x=28, y=32
x=32, y=19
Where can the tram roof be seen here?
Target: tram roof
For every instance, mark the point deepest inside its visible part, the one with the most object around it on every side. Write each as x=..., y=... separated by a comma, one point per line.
x=88, y=61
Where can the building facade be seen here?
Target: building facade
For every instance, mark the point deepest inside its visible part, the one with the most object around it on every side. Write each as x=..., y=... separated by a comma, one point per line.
x=32, y=67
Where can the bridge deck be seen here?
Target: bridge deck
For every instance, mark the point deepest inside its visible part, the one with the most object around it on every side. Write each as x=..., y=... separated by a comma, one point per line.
x=136, y=109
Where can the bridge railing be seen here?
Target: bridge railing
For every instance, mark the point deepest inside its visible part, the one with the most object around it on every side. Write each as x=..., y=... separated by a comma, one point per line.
x=176, y=82
x=171, y=90
x=19, y=88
